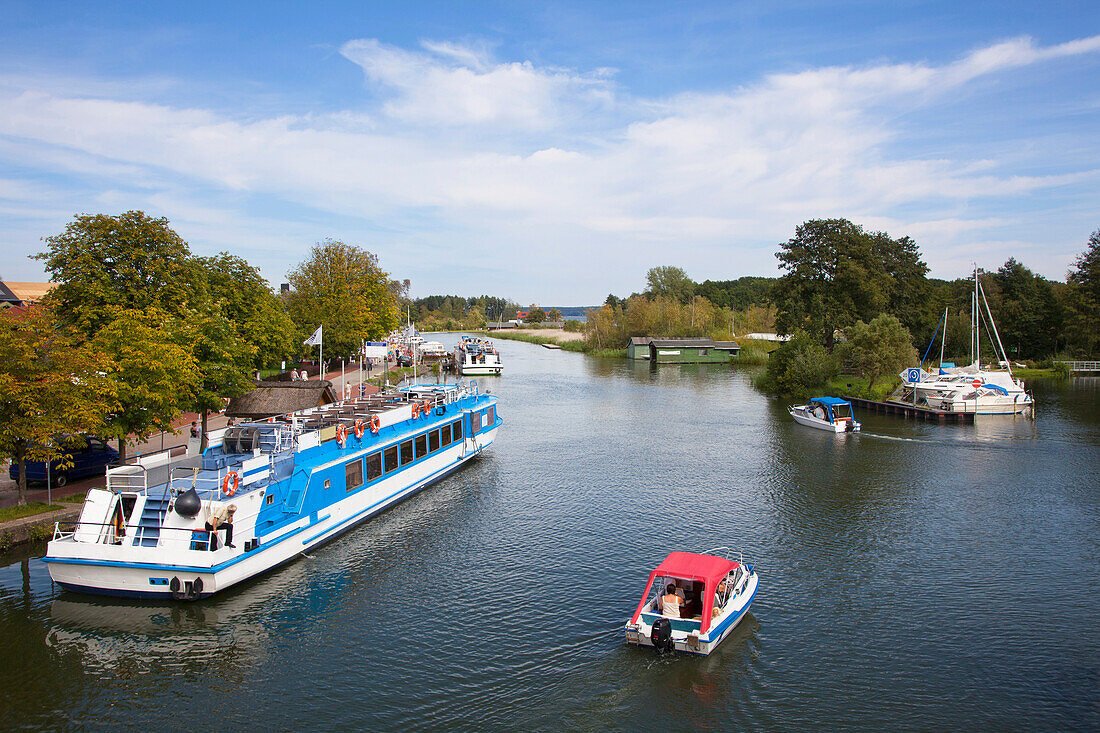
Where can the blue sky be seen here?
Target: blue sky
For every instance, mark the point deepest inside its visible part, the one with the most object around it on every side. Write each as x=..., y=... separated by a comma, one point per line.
x=554, y=152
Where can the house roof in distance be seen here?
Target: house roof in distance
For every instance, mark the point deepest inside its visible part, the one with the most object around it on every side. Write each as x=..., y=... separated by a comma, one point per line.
x=29, y=292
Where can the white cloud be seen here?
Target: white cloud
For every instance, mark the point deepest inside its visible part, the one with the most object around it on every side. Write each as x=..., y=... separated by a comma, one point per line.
x=479, y=159
x=454, y=85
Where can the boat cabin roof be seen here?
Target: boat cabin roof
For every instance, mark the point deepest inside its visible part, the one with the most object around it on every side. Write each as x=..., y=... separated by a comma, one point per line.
x=692, y=566
x=832, y=401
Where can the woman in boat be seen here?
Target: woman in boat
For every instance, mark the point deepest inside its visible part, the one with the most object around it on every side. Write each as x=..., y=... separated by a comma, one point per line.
x=671, y=601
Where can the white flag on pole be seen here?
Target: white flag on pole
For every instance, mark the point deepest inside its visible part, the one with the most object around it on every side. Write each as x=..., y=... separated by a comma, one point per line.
x=315, y=338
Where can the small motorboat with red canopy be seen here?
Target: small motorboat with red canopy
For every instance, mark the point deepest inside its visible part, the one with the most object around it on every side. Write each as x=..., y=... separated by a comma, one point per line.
x=693, y=601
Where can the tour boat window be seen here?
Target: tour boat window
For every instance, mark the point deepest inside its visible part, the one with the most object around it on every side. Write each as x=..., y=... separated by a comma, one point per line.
x=406, y=452
x=353, y=471
x=421, y=446
x=475, y=422
x=491, y=415
x=433, y=441
x=391, y=459
x=374, y=466
x=456, y=430
x=270, y=499
x=445, y=434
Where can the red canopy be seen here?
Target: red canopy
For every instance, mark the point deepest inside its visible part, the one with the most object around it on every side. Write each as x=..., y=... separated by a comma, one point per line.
x=707, y=569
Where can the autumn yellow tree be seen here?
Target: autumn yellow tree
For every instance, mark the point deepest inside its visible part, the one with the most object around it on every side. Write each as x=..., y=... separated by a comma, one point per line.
x=51, y=388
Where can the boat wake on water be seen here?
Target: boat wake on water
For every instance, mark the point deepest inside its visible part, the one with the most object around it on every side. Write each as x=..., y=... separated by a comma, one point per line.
x=897, y=438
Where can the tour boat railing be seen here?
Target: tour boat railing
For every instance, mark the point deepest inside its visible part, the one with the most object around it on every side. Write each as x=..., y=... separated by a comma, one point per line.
x=138, y=534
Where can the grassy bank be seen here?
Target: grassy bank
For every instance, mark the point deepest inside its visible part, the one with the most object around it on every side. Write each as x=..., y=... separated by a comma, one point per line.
x=574, y=345
x=850, y=385
x=29, y=510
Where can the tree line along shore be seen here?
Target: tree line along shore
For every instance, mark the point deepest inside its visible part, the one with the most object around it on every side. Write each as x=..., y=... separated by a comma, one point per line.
x=138, y=329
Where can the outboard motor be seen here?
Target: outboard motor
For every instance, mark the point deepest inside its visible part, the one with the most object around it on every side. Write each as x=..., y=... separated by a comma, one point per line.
x=188, y=503
x=661, y=635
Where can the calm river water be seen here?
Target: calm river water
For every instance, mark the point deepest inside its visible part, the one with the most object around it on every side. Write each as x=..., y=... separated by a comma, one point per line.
x=916, y=576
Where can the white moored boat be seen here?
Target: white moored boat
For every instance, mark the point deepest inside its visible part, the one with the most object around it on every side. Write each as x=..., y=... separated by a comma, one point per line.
x=969, y=388
x=826, y=413
x=475, y=356
x=714, y=595
x=295, y=482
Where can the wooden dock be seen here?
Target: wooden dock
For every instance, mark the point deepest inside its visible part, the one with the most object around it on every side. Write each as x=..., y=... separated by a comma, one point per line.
x=911, y=412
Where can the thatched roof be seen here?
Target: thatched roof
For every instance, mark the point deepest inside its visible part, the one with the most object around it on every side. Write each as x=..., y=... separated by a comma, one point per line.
x=279, y=398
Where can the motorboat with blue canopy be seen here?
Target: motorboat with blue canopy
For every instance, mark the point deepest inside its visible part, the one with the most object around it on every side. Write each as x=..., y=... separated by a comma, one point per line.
x=826, y=413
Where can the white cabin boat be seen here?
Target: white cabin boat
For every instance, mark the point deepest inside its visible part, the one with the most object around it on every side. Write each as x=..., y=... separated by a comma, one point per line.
x=969, y=388
x=714, y=595
x=475, y=356
x=826, y=413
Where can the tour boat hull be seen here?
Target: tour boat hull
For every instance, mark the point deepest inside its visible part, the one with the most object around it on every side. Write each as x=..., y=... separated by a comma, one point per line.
x=169, y=557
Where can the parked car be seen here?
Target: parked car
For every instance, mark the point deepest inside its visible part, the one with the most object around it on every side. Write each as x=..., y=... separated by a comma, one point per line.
x=404, y=360
x=90, y=459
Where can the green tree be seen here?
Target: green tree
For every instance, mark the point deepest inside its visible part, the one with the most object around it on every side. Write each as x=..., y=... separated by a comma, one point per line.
x=223, y=361
x=1084, y=298
x=554, y=316
x=103, y=264
x=475, y=318
x=837, y=274
x=344, y=288
x=153, y=373
x=800, y=365
x=882, y=347
x=51, y=386
x=671, y=282
x=536, y=314
x=257, y=313
x=1029, y=318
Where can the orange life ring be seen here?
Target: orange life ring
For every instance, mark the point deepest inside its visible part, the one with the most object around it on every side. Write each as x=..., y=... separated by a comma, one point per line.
x=375, y=423
x=226, y=488
x=359, y=429
x=341, y=435
x=416, y=410
x=426, y=409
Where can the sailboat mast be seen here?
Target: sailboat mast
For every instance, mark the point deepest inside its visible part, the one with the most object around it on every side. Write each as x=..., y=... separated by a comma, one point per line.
x=974, y=328
x=993, y=325
x=943, y=341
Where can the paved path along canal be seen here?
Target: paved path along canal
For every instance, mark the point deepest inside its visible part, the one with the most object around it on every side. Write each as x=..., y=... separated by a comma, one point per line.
x=915, y=576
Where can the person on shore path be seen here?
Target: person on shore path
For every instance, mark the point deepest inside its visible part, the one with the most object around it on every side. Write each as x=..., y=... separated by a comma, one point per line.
x=195, y=429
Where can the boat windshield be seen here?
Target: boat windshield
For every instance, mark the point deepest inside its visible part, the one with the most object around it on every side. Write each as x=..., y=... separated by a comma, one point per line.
x=842, y=411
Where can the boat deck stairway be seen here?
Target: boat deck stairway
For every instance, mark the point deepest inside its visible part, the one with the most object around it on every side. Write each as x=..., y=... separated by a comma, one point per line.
x=151, y=519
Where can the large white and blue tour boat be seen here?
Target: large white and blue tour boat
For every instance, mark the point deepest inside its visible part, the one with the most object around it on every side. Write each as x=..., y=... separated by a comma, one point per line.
x=264, y=492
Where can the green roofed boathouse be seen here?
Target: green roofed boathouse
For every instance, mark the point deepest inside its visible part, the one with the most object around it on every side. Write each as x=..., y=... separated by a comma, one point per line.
x=681, y=350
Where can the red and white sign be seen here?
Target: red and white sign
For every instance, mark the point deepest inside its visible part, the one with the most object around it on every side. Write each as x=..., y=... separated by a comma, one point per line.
x=976, y=383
